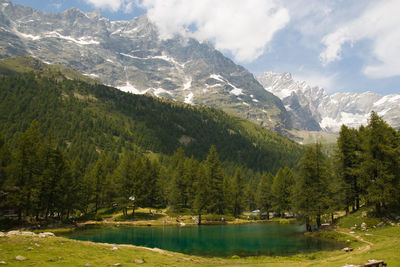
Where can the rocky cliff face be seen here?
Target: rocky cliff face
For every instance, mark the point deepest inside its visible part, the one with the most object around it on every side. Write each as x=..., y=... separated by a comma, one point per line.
x=311, y=108
x=130, y=56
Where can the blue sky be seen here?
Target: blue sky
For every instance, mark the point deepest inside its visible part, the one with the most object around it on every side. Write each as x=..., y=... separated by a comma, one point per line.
x=341, y=45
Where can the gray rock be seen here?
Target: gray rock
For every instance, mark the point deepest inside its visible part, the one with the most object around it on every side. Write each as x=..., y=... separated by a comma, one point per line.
x=20, y=258
x=118, y=264
x=11, y=233
x=88, y=265
x=2, y=234
x=114, y=248
x=140, y=261
x=30, y=248
x=46, y=234
x=380, y=224
x=364, y=226
x=27, y=233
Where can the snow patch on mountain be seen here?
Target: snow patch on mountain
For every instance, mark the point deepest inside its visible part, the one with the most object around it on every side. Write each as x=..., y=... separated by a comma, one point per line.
x=189, y=98
x=309, y=104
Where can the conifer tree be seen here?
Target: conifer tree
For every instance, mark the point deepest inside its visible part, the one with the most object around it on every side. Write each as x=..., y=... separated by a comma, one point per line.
x=348, y=160
x=281, y=190
x=380, y=163
x=216, y=178
x=264, y=198
x=238, y=193
x=310, y=191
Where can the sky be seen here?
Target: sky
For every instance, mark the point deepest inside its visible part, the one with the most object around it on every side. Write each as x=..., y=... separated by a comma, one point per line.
x=340, y=45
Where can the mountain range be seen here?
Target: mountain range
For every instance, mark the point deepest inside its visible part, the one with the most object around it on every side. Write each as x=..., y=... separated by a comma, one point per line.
x=129, y=55
x=311, y=108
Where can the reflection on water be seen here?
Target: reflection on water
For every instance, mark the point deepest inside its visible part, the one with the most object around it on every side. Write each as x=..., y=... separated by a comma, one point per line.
x=215, y=240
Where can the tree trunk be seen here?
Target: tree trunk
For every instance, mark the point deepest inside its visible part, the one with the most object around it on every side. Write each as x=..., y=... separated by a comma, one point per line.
x=308, y=226
x=347, y=211
x=378, y=209
x=199, y=218
x=318, y=219
x=357, y=203
x=267, y=215
x=133, y=212
x=332, y=218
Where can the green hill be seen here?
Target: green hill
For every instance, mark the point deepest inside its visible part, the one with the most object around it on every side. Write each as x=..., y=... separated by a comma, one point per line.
x=87, y=118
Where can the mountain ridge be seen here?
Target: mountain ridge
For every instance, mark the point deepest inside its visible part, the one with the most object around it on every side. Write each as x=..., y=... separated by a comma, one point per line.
x=317, y=110
x=130, y=56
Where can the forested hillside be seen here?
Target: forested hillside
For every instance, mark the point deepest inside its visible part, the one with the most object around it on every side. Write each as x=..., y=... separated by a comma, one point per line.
x=70, y=144
x=91, y=118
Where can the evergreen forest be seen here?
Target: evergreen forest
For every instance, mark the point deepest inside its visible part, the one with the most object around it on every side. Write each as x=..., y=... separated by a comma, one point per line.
x=71, y=146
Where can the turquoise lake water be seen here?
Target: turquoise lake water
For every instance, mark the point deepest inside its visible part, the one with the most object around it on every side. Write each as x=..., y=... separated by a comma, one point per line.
x=212, y=240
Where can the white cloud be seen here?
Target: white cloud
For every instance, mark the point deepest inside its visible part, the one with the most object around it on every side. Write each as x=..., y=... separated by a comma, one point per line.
x=379, y=24
x=244, y=28
x=113, y=5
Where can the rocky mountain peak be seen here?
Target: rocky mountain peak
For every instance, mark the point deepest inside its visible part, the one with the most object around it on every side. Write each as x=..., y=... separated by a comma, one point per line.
x=311, y=108
x=130, y=56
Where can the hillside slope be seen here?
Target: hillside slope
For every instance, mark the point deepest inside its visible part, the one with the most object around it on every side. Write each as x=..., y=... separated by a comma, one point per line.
x=90, y=118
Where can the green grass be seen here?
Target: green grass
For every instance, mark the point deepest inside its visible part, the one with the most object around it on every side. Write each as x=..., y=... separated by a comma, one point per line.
x=58, y=251
x=357, y=218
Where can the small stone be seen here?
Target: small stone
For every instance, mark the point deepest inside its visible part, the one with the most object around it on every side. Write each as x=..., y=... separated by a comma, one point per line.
x=348, y=249
x=114, y=248
x=351, y=232
x=36, y=244
x=30, y=248
x=3, y=262
x=88, y=265
x=28, y=233
x=13, y=233
x=20, y=258
x=118, y=264
x=381, y=224
x=139, y=261
x=2, y=234
x=364, y=226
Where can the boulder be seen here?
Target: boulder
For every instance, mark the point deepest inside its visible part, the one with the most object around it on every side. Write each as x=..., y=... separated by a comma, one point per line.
x=46, y=234
x=11, y=233
x=27, y=234
x=20, y=258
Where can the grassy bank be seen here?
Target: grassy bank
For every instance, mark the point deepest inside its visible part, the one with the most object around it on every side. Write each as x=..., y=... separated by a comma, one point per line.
x=381, y=243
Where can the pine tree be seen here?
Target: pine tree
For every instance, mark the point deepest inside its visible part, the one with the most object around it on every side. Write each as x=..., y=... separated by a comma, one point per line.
x=5, y=161
x=216, y=178
x=380, y=163
x=202, y=195
x=264, y=198
x=348, y=161
x=281, y=190
x=310, y=194
x=238, y=193
x=27, y=170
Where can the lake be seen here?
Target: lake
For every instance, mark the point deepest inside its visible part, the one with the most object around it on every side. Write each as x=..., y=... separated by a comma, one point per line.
x=212, y=240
